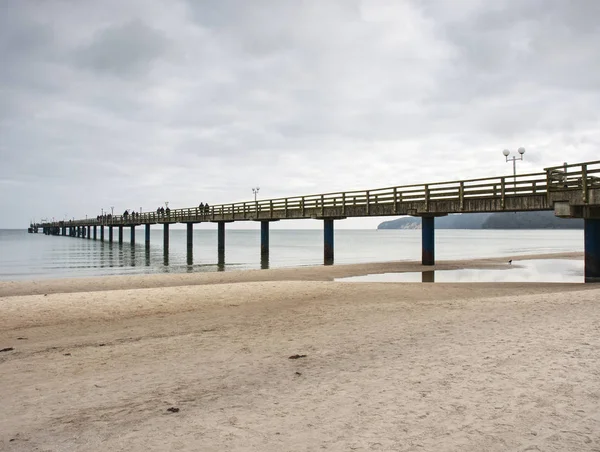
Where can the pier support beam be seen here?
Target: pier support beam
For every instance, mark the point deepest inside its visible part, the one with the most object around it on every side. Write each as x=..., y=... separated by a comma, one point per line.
x=64, y=230
x=328, y=247
x=592, y=250
x=95, y=232
x=166, y=236
x=102, y=233
x=190, y=236
x=132, y=238
x=147, y=234
x=89, y=230
x=120, y=234
x=221, y=237
x=264, y=238
x=428, y=240
x=110, y=234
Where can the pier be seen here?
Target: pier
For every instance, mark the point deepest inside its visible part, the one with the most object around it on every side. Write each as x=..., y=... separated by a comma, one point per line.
x=571, y=191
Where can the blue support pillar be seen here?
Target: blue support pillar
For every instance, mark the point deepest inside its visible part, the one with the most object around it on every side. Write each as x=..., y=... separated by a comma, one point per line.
x=190, y=235
x=110, y=234
x=264, y=238
x=166, y=236
x=101, y=233
x=328, y=247
x=221, y=237
x=592, y=250
x=121, y=234
x=147, y=235
x=428, y=239
x=132, y=237
x=190, y=244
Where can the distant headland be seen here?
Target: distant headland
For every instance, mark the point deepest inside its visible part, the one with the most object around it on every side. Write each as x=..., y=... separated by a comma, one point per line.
x=499, y=220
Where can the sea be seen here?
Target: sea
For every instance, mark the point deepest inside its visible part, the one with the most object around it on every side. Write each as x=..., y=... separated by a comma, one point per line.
x=25, y=256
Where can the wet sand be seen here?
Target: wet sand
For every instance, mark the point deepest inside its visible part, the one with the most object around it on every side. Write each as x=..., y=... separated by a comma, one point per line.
x=97, y=363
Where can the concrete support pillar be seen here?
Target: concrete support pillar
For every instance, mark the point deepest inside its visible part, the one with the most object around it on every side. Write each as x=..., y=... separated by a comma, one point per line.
x=120, y=234
x=89, y=230
x=132, y=238
x=190, y=256
x=592, y=250
x=166, y=236
x=221, y=260
x=328, y=241
x=95, y=232
x=102, y=233
x=428, y=240
x=190, y=236
x=221, y=237
x=264, y=238
x=110, y=234
x=147, y=234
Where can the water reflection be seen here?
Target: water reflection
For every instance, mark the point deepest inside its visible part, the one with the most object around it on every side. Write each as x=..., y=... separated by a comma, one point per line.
x=264, y=261
x=543, y=270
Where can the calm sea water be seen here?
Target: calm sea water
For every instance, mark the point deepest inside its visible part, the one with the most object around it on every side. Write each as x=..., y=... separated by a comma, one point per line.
x=34, y=256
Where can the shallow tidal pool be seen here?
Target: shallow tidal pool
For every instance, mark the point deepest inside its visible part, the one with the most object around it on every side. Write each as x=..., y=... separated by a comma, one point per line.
x=536, y=270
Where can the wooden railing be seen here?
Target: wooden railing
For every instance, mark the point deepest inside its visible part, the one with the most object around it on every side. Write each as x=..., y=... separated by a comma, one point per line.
x=581, y=176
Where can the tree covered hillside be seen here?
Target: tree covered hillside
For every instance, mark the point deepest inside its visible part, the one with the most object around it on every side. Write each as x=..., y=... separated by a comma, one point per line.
x=499, y=220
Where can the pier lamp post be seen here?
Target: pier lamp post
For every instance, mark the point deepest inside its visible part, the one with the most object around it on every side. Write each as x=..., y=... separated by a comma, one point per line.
x=166, y=203
x=112, y=210
x=514, y=159
x=255, y=191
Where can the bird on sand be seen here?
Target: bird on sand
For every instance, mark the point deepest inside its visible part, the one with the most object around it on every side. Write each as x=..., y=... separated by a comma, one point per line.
x=510, y=262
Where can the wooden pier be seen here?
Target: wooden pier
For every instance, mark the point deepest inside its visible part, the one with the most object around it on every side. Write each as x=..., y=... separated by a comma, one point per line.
x=571, y=191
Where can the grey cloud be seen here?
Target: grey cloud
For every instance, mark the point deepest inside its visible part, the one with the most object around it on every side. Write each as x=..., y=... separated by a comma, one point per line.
x=120, y=103
x=124, y=49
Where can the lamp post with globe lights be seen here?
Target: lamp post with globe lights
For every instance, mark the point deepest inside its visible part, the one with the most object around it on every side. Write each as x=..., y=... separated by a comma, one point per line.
x=514, y=159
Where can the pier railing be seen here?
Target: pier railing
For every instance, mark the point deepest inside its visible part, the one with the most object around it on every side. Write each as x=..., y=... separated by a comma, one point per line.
x=580, y=176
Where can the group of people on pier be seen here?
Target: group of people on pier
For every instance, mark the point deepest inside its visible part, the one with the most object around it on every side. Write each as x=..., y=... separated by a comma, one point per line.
x=133, y=214
x=161, y=211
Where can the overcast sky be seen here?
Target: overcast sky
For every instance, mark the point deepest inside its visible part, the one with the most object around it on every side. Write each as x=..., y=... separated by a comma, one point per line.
x=133, y=103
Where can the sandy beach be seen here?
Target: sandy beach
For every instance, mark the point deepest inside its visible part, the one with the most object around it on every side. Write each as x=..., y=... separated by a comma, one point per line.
x=290, y=360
